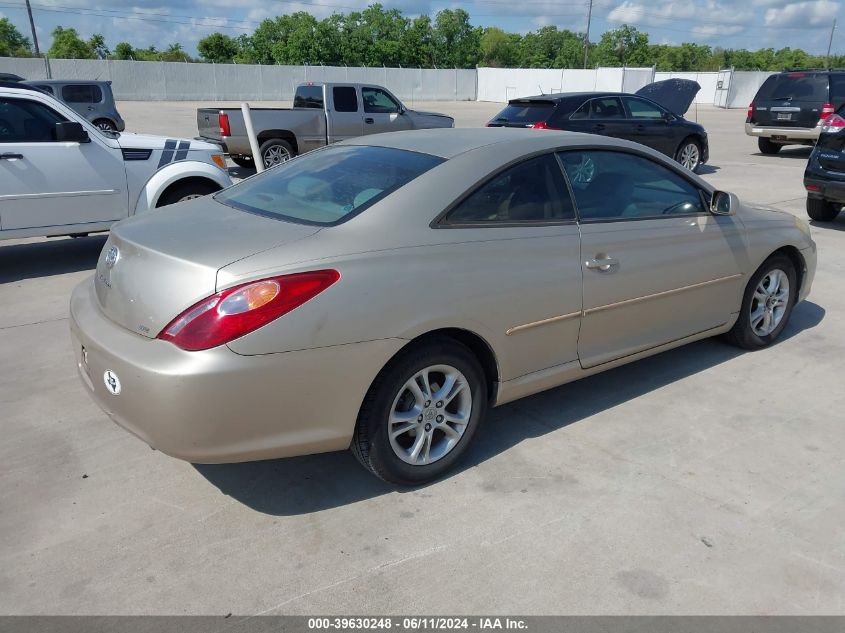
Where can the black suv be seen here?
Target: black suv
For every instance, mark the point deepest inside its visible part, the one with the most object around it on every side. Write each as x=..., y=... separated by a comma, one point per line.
x=654, y=116
x=789, y=107
x=824, y=178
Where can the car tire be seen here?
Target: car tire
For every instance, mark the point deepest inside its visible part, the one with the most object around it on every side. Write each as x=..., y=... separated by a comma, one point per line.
x=753, y=329
x=689, y=154
x=768, y=147
x=821, y=210
x=186, y=191
x=390, y=405
x=243, y=161
x=276, y=151
x=105, y=125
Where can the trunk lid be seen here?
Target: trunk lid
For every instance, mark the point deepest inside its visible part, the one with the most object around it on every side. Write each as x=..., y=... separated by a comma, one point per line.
x=208, y=123
x=791, y=100
x=156, y=265
x=676, y=95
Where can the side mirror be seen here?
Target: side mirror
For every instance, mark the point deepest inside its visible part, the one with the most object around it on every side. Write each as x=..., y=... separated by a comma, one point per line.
x=723, y=203
x=667, y=118
x=402, y=109
x=71, y=132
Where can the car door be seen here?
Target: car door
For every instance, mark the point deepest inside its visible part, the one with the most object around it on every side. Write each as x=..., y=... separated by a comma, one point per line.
x=657, y=266
x=382, y=112
x=46, y=183
x=650, y=125
x=345, y=118
x=528, y=248
x=600, y=115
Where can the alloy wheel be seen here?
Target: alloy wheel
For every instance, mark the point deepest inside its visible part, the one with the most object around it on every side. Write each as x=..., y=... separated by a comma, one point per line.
x=769, y=302
x=275, y=155
x=690, y=156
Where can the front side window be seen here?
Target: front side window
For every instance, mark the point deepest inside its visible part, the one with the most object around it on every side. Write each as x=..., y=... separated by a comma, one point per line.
x=532, y=191
x=611, y=185
x=377, y=101
x=24, y=121
x=640, y=109
x=607, y=108
x=82, y=93
x=328, y=186
x=345, y=99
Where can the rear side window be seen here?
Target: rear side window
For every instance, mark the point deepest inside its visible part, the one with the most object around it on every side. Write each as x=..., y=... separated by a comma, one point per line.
x=606, y=108
x=45, y=88
x=525, y=112
x=345, y=99
x=23, y=121
x=308, y=97
x=837, y=88
x=82, y=93
x=531, y=191
x=329, y=186
x=795, y=86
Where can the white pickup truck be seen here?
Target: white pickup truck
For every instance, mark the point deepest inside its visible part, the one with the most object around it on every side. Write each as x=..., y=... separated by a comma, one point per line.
x=61, y=175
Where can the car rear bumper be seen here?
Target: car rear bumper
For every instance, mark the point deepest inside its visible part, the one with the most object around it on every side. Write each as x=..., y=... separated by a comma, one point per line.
x=783, y=134
x=217, y=406
x=831, y=190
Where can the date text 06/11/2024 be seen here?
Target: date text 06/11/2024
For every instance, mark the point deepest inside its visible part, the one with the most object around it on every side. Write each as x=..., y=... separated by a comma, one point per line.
x=415, y=623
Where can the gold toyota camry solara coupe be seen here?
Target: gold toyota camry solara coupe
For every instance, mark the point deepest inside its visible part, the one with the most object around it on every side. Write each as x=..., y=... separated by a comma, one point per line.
x=383, y=292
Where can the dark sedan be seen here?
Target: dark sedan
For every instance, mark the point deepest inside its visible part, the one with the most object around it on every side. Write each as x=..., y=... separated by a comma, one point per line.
x=653, y=116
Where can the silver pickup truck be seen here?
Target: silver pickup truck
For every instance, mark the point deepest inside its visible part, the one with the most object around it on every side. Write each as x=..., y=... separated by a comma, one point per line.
x=322, y=113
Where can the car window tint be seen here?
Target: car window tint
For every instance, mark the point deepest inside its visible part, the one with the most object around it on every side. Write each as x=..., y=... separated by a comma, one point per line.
x=607, y=108
x=345, y=99
x=640, y=109
x=45, y=88
x=612, y=185
x=377, y=101
x=532, y=191
x=330, y=185
x=583, y=112
x=23, y=121
x=308, y=97
x=525, y=112
x=82, y=93
x=795, y=86
x=837, y=88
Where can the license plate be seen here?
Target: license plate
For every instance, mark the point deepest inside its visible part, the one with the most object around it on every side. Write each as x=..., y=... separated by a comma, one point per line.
x=784, y=116
x=779, y=137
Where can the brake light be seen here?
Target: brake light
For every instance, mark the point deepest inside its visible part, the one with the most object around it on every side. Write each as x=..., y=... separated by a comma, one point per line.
x=827, y=110
x=237, y=311
x=750, y=109
x=541, y=125
x=223, y=121
x=833, y=124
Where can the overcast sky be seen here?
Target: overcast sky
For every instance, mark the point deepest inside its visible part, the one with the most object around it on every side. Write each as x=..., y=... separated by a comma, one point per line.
x=728, y=23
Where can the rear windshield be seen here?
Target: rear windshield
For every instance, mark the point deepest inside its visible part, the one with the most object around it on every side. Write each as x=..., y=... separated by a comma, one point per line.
x=328, y=186
x=528, y=112
x=308, y=97
x=795, y=86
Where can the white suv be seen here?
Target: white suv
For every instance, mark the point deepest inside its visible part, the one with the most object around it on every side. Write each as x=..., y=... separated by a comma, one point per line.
x=60, y=175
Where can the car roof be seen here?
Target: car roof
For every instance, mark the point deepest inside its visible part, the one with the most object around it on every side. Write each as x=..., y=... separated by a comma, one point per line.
x=560, y=96
x=70, y=82
x=449, y=142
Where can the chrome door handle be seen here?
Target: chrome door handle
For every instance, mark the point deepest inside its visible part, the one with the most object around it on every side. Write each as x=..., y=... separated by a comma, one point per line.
x=602, y=264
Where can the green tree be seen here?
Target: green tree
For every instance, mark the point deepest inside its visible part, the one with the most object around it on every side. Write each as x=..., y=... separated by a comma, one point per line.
x=98, y=45
x=123, y=50
x=68, y=45
x=456, y=41
x=497, y=48
x=174, y=53
x=12, y=41
x=218, y=48
x=624, y=46
x=418, y=42
x=549, y=47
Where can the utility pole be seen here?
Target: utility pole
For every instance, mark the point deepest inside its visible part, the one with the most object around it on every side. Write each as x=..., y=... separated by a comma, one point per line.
x=586, y=35
x=829, y=43
x=32, y=26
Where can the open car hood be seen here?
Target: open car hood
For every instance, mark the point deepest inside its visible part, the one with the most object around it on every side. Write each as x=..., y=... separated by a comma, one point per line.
x=676, y=95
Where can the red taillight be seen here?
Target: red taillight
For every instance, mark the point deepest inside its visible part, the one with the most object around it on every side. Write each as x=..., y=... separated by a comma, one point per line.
x=237, y=311
x=223, y=121
x=827, y=110
x=812, y=187
x=541, y=125
x=750, y=109
x=833, y=124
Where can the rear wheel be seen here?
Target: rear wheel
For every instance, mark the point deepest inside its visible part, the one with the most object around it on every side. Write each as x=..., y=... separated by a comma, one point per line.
x=186, y=191
x=767, y=304
x=768, y=147
x=243, y=161
x=689, y=154
x=821, y=210
x=275, y=152
x=421, y=412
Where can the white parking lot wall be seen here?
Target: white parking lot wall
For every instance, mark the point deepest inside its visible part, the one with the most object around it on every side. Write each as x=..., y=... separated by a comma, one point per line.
x=502, y=84
x=178, y=81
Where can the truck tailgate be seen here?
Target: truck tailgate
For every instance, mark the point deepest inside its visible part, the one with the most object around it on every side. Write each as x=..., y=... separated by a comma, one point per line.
x=208, y=124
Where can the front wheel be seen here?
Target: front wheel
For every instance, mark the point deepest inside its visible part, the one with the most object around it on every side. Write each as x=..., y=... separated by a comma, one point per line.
x=421, y=413
x=180, y=192
x=821, y=210
x=689, y=154
x=767, y=304
x=275, y=152
x=768, y=147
